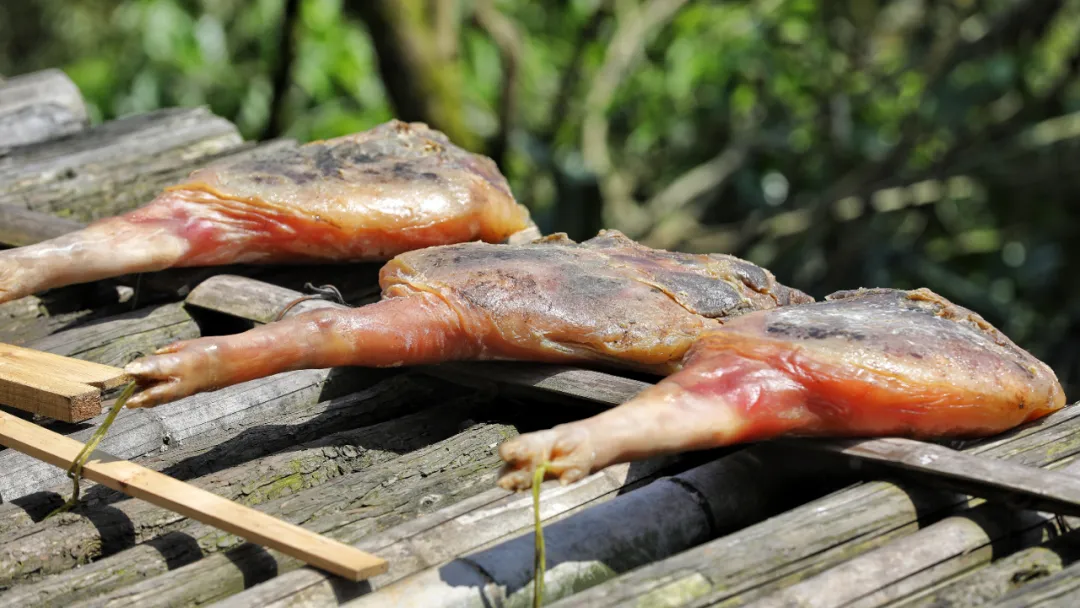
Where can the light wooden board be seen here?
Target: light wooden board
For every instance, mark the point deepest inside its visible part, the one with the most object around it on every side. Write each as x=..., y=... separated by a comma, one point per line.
x=190, y=501
x=51, y=385
x=49, y=364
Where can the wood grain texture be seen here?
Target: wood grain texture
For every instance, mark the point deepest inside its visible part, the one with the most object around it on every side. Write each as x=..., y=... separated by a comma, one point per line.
x=1017, y=485
x=925, y=559
x=47, y=395
x=346, y=508
x=220, y=413
x=992, y=582
x=106, y=527
x=1059, y=590
x=20, y=227
x=440, y=536
x=38, y=107
x=242, y=444
x=51, y=385
x=34, y=317
x=116, y=166
x=58, y=366
x=119, y=339
x=661, y=519
x=190, y=501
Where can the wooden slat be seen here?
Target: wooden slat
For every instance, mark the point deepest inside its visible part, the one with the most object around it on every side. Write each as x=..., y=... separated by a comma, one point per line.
x=48, y=395
x=114, y=167
x=66, y=368
x=1019, y=486
x=51, y=385
x=1060, y=590
x=188, y=500
x=481, y=521
x=924, y=559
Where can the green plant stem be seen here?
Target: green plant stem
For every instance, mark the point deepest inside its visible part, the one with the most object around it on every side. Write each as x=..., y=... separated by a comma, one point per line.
x=75, y=471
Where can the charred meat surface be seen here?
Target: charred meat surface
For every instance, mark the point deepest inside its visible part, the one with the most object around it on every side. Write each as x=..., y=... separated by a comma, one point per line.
x=874, y=362
x=608, y=300
x=367, y=196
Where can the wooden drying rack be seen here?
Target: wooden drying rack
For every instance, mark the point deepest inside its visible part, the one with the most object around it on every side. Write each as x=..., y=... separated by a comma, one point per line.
x=70, y=389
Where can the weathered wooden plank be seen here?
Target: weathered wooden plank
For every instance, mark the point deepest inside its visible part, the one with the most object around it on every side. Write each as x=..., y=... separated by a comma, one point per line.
x=39, y=106
x=377, y=498
x=120, y=339
x=19, y=227
x=905, y=566
x=1060, y=590
x=661, y=519
x=114, y=167
x=140, y=482
x=990, y=583
x=62, y=543
x=221, y=575
x=55, y=365
x=1015, y=484
x=34, y=317
x=251, y=299
x=819, y=535
x=139, y=432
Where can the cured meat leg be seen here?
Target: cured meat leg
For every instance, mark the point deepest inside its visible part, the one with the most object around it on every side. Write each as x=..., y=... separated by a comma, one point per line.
x=368, y=196
x=864, y=363
x=607, y=300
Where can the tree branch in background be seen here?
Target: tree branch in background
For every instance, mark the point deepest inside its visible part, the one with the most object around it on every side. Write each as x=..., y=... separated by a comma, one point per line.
x=667, y=208
x=626, y=48
x=447, y=27
x=422, y=85
x=282, y=71
x=504, y=33
x=965, y=146
x=571, y=75
x=1027, y=17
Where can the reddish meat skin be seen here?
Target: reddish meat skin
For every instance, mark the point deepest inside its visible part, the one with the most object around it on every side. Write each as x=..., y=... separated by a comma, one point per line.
x=864, y=363
x=367, y=196
x=608, y=300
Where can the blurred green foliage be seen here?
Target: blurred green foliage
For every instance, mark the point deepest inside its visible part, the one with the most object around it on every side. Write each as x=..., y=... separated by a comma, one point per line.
x=841, y=144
